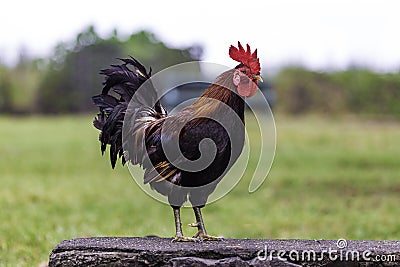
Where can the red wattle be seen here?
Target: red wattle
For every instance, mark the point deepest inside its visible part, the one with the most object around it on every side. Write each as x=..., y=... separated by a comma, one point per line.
x=247, y=89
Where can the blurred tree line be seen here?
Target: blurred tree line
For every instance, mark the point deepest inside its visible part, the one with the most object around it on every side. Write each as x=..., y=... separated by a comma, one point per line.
x=356, y=90
x=65, y=82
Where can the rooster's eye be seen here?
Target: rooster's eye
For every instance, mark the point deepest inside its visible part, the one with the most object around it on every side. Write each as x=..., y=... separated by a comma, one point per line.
x=244, y=71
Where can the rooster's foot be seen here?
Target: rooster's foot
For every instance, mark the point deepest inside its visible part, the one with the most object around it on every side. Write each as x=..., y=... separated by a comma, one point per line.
x=186, y=239
x=206, y=237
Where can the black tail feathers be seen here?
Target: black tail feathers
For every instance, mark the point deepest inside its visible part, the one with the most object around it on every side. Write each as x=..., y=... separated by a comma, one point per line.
x=124, y=82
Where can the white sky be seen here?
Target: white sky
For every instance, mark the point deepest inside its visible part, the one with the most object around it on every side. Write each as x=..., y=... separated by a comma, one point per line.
x=317, y=33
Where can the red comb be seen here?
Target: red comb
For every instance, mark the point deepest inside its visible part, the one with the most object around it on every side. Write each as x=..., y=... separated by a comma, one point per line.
x=245, y=57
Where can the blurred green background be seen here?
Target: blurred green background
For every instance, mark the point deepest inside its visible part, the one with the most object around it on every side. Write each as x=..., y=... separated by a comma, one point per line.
x=65, y=81
x=335, y=174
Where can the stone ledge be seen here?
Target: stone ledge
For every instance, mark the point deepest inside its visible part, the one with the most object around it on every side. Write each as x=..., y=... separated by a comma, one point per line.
x=155, y=251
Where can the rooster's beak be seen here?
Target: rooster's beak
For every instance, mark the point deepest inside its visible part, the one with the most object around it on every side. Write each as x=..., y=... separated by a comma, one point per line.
x=258, y=78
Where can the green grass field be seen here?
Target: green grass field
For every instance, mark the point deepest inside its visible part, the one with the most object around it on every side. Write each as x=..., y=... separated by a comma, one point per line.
x=332, y=178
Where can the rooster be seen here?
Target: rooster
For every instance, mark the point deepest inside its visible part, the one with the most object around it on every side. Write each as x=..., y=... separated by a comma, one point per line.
x=141, y=133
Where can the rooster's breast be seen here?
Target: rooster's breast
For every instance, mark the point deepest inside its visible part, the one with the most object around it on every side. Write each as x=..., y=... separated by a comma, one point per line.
x=224, y=146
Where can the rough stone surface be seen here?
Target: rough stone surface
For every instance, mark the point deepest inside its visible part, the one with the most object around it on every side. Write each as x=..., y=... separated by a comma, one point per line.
x=155, y=251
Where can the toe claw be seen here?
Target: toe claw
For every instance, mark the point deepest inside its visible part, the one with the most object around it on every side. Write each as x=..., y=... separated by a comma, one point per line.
x=205, y=237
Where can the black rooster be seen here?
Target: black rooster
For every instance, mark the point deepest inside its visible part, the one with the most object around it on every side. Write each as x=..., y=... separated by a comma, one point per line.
x=142, y=132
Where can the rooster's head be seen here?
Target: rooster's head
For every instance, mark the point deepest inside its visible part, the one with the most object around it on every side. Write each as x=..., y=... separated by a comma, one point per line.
x=247, y=73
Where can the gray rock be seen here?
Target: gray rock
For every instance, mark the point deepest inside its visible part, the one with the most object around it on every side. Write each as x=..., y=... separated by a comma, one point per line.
x=155, y=251
x=233, y=261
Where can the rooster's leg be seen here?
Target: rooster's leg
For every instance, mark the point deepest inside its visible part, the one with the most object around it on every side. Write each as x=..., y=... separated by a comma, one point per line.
x=179, y=237
x=202, y=233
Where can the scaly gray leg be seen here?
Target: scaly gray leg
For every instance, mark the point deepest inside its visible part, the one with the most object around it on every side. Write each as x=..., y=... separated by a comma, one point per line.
x=179, y=237
x=202, y=233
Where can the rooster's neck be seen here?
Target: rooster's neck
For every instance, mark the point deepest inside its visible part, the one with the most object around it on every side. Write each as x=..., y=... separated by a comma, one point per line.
x=228, y=97
x=223, y=90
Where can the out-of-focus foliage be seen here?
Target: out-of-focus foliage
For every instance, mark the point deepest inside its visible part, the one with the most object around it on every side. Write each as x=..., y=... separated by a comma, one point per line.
x=369, y=92
x=18, y=86
x=73, y=76
x=65, y=82
x=5, y=90
x=300, y=90
x=358, y=91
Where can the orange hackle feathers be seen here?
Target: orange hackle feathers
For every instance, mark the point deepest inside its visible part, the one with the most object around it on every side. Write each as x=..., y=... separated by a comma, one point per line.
x=245, y=57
